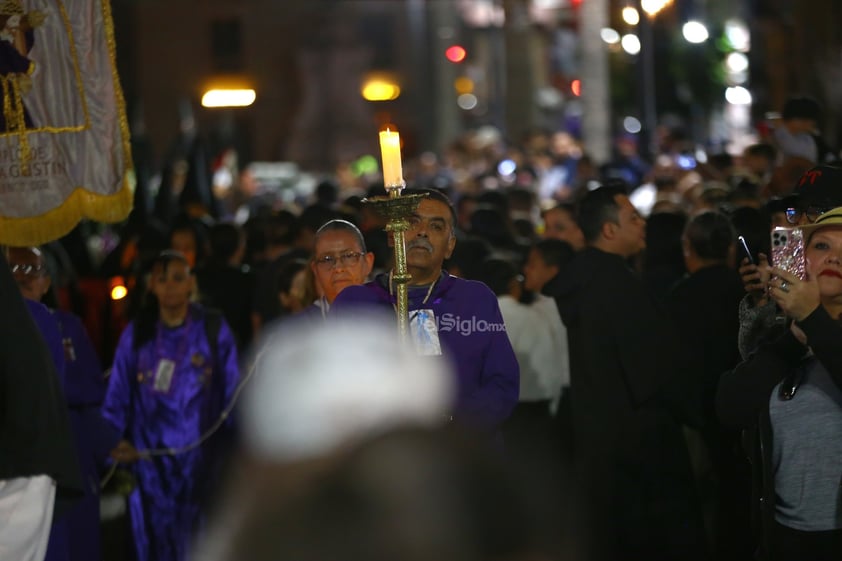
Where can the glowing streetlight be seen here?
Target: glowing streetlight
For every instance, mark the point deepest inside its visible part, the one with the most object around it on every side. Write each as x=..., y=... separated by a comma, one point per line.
x=223, y=97
x=631, y=16
x=630, y=44
x=695, y=32
x=228, y=90
x=738, y=35
x=380, y=91
x=380, y=86
x=609, y=35
x=652, y=7
x=736, y=63
x=738, y=95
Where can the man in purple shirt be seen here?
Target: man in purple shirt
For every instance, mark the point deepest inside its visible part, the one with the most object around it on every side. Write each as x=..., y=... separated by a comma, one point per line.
x=450, y=318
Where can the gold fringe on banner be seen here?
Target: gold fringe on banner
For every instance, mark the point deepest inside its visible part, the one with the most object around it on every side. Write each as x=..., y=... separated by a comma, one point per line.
x=82, y=203
x=37, y=230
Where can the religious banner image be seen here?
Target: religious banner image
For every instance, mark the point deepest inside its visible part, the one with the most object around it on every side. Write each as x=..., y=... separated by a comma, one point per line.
x=64, y=138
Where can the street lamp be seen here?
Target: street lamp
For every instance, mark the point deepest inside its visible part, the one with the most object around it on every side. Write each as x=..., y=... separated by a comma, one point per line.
x=647, y=46
x=223, y=91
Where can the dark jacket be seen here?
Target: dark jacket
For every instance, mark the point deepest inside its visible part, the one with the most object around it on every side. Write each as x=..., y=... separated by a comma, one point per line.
x=742, y=398
x=630, y=394
x=704, y=306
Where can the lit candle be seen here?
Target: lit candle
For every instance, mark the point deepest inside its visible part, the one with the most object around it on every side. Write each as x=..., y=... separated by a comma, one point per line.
x=390, y=151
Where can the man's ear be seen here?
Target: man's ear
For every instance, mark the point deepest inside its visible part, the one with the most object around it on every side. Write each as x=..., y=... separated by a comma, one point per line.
x=285, y=299
x=686, y=248
x=369, y=263
x=608, y=230
x=451, y=245
x=46, y=283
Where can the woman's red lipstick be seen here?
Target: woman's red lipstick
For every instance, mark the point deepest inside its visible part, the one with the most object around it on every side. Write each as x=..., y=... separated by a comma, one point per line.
x=831, y=273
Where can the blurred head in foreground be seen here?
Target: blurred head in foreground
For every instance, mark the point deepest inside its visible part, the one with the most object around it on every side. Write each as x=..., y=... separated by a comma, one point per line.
x=348, y=454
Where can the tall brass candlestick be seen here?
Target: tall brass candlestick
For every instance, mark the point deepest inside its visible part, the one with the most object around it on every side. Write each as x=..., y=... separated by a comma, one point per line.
x=396, y=209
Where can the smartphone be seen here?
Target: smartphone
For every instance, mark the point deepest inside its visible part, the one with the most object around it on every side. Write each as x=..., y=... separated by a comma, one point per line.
x=747, y=252
x=788, y=251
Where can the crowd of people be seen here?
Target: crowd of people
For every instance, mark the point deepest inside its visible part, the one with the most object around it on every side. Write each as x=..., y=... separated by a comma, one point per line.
x=595, y=368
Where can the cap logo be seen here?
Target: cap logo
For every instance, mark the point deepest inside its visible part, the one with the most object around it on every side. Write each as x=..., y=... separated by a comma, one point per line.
x=812, y=175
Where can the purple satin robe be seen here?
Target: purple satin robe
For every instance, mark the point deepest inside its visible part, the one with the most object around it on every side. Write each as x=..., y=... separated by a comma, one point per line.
x=75, y=535
x=84, y=389
x=165, y=507
x=49, y=328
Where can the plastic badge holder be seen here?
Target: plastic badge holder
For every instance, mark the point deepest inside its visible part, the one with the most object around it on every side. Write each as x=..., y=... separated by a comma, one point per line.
x=788, y=251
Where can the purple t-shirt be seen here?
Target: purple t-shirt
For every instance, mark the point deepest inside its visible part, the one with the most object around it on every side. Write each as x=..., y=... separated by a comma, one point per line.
x=472, y=337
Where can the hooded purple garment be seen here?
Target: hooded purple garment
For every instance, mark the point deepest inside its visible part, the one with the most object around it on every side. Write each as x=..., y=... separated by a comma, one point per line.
x=75, y=536
x=49, y=328
x=472, y=336
x=166, y=505
x=35, y=437
x=84, y=388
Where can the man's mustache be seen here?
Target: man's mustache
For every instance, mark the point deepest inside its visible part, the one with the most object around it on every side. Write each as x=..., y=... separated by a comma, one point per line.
x=420, y=242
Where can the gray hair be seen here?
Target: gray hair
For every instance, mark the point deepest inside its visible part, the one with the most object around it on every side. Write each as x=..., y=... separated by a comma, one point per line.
x=339, y=225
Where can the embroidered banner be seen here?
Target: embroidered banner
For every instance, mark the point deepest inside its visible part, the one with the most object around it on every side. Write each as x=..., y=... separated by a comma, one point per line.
x=64, y=138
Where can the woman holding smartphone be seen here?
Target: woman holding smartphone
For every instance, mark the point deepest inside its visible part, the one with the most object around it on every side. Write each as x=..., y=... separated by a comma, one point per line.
x=791, y=391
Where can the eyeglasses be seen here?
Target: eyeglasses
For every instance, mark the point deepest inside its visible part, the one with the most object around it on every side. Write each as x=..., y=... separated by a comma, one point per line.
x=26, y=269
x=793, y=215
x=347, y=259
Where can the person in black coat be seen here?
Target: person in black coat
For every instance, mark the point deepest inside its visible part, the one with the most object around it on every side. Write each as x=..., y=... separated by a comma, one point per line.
x=628, y=400
x=704, y=306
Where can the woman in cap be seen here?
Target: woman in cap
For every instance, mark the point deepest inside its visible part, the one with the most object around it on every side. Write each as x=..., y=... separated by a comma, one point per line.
x=791, y=390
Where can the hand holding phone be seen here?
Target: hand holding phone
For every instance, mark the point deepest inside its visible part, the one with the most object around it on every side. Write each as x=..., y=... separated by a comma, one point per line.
x=788, y=251
x=754, y=274
x=746, y=250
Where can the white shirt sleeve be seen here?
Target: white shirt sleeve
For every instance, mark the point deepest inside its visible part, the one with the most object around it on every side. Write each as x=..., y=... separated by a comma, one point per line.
x=540, y=345
x=546, y=306
x=26, y=516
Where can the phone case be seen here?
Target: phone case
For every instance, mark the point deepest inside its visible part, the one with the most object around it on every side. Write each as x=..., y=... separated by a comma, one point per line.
x=788, y=251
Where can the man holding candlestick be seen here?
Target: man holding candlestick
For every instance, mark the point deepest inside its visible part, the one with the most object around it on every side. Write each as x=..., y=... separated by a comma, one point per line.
x=450, y=318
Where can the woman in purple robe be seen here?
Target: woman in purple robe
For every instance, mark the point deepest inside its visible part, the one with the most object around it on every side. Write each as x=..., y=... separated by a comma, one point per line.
x=169, y=386
x=84, y=389
x=76, y=535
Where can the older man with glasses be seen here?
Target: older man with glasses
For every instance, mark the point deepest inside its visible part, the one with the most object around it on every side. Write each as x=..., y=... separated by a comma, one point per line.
x=452, y=318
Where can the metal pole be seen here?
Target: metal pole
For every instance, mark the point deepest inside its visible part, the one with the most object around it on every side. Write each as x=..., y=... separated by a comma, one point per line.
x=596, y=82
x=650, y=115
